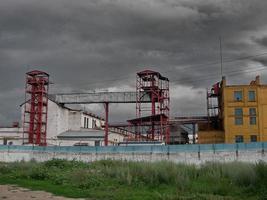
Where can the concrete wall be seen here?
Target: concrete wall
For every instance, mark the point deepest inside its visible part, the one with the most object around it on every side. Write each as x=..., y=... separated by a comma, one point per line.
x=115, y=138
x=12, y=135
x=89, y=154
x=57, y=120
x=72, y=142
x=74, y=120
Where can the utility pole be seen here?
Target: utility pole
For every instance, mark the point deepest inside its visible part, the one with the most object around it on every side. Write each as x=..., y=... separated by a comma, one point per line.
x=220, y=39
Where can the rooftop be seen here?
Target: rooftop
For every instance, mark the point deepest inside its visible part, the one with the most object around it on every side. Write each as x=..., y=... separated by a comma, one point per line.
x=82, y=135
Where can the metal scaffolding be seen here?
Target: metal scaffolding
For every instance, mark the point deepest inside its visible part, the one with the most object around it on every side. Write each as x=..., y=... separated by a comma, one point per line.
x=102, y=97
x=35, y=108
x=152, y=106
x=214, y=100
x=152, y=119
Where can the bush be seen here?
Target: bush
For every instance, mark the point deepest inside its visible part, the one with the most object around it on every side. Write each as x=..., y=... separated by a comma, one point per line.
x=170, y=180
x=84, y=179
x=242, y=174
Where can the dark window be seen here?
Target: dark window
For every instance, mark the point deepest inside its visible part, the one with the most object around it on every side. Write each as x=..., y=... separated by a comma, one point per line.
x=238, y=112
x=252, y=120
x=253, y=138
x=97, y=143
x=84, y=122
x=87, y=123
x=238, y=116
x=251, y=96
x=93, y=123
x=252, y=111
x=238, y=95
x=252, y=116
x=238, y=121
x=239, y=139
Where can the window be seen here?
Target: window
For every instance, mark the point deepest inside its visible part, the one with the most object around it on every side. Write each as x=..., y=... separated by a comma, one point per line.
x=97, y=143
x=251, y=96
x=239, y=139
x=93, y=123
x=253, y=138
x=84, y=122
x=239, y=112
x=238, y=116
x=238, y=121
x=87, y=126
x=5, y=141
x=252, y=121
x=238, y=95
x=252, y=116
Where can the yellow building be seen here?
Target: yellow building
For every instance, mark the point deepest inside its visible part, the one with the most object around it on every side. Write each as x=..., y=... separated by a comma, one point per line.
x=242, y=114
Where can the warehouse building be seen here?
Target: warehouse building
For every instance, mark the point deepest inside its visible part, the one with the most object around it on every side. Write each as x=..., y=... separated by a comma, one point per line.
x=11, y=135
x=65, y=127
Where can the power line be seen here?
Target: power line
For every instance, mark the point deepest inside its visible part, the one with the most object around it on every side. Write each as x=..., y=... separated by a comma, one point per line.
x=218, y=62
x=221, y=56
x=215, y=75
x=203, y=65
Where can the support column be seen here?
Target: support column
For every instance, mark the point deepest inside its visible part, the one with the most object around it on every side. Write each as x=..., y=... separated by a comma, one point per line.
x=106, y=105
x=194, y=133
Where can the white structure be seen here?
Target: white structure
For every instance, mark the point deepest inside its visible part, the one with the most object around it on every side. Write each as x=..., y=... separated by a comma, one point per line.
x=11, y=135
x=65, y=127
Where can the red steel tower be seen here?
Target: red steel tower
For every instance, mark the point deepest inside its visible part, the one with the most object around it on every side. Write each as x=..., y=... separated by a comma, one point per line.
x=152, y=119
x=35, y=108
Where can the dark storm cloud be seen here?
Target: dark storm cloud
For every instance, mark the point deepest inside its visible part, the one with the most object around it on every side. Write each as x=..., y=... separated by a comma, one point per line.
x=261, y=41
x=88, y=45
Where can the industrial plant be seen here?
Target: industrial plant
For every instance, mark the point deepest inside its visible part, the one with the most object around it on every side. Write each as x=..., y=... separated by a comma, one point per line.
x=235, y=113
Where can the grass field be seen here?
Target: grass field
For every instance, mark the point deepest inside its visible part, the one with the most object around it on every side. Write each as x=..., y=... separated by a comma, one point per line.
x=140, y=180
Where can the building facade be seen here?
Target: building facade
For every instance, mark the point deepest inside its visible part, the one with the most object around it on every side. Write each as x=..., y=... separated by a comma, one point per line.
x=11, y=135
x=244, y=112
x=241, y=114
x=65, y=127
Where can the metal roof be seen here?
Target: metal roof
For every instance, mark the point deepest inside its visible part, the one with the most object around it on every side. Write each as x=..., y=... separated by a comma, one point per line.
x=82, y=135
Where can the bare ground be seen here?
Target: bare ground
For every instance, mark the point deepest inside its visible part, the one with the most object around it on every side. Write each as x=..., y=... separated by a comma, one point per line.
x=18, y=193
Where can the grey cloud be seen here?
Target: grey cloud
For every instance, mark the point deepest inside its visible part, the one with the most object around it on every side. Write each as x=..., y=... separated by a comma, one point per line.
x=88, y=45
x=261, y=41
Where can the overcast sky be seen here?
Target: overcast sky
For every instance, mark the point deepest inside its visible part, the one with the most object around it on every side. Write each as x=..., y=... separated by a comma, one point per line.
x=99, y=45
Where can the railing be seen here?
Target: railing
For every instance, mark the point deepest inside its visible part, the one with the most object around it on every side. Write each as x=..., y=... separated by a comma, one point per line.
x=257, y=146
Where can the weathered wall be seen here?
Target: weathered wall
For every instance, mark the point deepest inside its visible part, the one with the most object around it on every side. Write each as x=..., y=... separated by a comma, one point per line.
x=57, y=120
x=210, y=137
x=194, y=154
x=74, y=121
x=245, y=129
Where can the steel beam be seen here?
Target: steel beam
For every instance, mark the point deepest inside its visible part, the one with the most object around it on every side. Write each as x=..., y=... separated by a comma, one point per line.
x=106, y=123
x=101, y=97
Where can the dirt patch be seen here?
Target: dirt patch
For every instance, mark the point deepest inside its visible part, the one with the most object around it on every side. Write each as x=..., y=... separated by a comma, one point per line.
x=18, y=193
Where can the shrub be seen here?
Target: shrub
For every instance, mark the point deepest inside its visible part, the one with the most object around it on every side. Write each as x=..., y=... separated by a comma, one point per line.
x=242, y=174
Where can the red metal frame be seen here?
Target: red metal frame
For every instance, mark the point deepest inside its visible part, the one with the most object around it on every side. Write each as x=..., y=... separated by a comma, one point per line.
x=152, y=120
x=36, y=107
x=106, y=105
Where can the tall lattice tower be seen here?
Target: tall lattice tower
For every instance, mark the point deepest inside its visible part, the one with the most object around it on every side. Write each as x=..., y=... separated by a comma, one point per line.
x=35, y=108
x=152, y=119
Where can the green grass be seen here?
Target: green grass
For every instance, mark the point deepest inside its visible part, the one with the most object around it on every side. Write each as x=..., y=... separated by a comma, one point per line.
x=140, y=180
